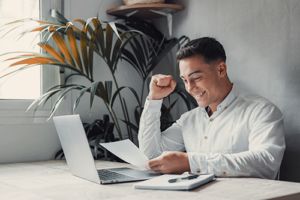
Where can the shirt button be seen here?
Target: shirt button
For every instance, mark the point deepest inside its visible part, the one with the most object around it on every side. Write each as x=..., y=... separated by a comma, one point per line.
x=211, y=119
x=198, y=170
x=142, y=121
x=205, y=137
x=146, y=104
x=225, y=108
x=224, y=173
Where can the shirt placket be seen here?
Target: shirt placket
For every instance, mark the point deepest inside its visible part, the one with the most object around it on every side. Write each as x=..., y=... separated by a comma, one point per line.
x=209, y=121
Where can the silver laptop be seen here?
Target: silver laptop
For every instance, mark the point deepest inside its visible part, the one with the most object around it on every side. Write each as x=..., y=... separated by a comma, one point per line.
x=79, y=156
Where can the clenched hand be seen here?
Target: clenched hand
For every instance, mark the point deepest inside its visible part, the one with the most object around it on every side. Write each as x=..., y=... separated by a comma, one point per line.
x=161, y=86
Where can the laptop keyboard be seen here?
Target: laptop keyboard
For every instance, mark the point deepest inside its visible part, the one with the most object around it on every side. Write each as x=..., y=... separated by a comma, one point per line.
x=109, y=175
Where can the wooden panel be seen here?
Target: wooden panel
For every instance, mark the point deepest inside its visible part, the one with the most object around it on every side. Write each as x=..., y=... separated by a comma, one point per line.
x=144, y=10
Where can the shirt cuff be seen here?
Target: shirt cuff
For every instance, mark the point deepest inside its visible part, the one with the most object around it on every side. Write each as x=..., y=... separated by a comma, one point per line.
x=198, y=163
x=153, y=104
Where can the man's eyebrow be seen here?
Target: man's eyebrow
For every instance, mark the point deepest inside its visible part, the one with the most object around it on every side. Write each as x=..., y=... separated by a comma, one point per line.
x=198, y=71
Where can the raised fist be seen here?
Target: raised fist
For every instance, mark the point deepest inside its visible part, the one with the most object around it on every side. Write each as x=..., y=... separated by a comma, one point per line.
x=161, y=86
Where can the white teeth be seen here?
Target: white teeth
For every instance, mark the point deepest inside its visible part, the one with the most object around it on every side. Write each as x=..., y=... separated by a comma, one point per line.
x=199, y=95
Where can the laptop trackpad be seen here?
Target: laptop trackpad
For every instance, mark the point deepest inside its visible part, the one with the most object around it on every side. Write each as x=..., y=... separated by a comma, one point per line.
x=134, y=172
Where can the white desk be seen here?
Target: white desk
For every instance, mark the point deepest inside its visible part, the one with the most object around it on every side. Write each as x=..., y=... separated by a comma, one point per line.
x=52, y=180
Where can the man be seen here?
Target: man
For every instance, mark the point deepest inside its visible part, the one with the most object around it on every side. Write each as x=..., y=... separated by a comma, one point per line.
x=231, y=133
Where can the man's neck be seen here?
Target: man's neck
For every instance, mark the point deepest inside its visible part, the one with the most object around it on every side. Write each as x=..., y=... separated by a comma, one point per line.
x=227, y=89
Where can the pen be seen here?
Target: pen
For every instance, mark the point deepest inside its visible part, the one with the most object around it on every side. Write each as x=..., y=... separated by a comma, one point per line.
x=183, y=179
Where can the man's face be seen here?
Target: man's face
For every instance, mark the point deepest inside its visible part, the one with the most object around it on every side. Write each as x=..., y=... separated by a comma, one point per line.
x=201, y=80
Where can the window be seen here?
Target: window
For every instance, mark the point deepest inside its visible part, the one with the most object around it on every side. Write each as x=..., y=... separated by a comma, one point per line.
x=26, y=84
x=18, y=91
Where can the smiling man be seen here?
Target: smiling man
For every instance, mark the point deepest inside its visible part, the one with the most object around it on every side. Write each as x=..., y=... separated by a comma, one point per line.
x=231, y=133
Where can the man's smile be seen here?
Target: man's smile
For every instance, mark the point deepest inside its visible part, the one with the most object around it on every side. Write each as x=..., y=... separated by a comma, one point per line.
x=198, y=95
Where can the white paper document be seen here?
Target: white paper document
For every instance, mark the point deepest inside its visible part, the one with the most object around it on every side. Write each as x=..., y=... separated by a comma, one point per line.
x=128, y=152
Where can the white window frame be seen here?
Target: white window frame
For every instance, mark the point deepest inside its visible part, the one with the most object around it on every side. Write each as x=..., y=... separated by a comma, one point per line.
x=13, y=111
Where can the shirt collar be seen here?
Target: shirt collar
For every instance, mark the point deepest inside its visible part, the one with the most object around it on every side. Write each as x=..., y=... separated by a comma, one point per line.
x=228, y=100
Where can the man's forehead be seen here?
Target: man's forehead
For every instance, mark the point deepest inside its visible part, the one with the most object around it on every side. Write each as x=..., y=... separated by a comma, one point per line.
x=191, y=73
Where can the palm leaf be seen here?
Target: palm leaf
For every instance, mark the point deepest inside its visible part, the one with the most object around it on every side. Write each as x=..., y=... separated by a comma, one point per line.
x=100, y=37
x=85, y=26
x=108, y=38
x=91, y=53
x=131, y=59
x=52, y=51
x=60, y=98
x=117, y=46
x=59, y=16
x=31, y=61
x=97, y=24
x=93, y=92
x=73, y=46
x=83, y=46
x=119, y=90
x=62, y=46
x=39, y=98
x=78, y=98
x=108, y=88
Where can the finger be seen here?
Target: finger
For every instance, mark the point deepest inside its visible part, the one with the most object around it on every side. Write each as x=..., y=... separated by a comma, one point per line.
x=156, y=169
x=162, y=78
x=164, y=81
x=154, y=162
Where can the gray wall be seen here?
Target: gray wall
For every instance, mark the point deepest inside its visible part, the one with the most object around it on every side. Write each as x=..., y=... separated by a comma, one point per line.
x=26, y=143
x=262, y=42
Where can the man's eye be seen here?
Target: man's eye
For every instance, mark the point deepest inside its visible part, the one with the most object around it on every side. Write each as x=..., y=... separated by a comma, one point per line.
x=184, y=81
x=197, y=78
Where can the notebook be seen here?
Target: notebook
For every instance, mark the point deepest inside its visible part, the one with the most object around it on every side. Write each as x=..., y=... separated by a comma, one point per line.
x=162, y=182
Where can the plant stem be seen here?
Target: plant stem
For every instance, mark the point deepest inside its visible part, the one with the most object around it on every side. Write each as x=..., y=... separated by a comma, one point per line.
x=130, y=135
x=120, y=98
x=114, y=118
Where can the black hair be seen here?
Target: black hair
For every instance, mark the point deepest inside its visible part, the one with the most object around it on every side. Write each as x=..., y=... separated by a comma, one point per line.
x=209, y=48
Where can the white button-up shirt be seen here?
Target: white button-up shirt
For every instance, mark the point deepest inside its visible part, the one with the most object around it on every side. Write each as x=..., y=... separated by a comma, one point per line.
x=244, y=137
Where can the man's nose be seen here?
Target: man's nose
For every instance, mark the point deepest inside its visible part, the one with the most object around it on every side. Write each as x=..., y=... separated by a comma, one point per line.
x=189, y=86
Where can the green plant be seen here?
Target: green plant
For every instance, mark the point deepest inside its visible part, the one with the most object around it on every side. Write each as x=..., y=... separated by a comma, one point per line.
x=109, y=41
x=78, y=60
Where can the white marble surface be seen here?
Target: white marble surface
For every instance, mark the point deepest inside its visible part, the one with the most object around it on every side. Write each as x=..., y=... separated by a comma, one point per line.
x=52, y=180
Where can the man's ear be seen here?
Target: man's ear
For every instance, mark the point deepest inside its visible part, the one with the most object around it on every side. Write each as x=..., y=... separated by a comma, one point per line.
x=222, y=69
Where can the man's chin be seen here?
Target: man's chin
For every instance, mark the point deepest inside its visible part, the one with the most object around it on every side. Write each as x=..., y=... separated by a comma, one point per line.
x=202, y=105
